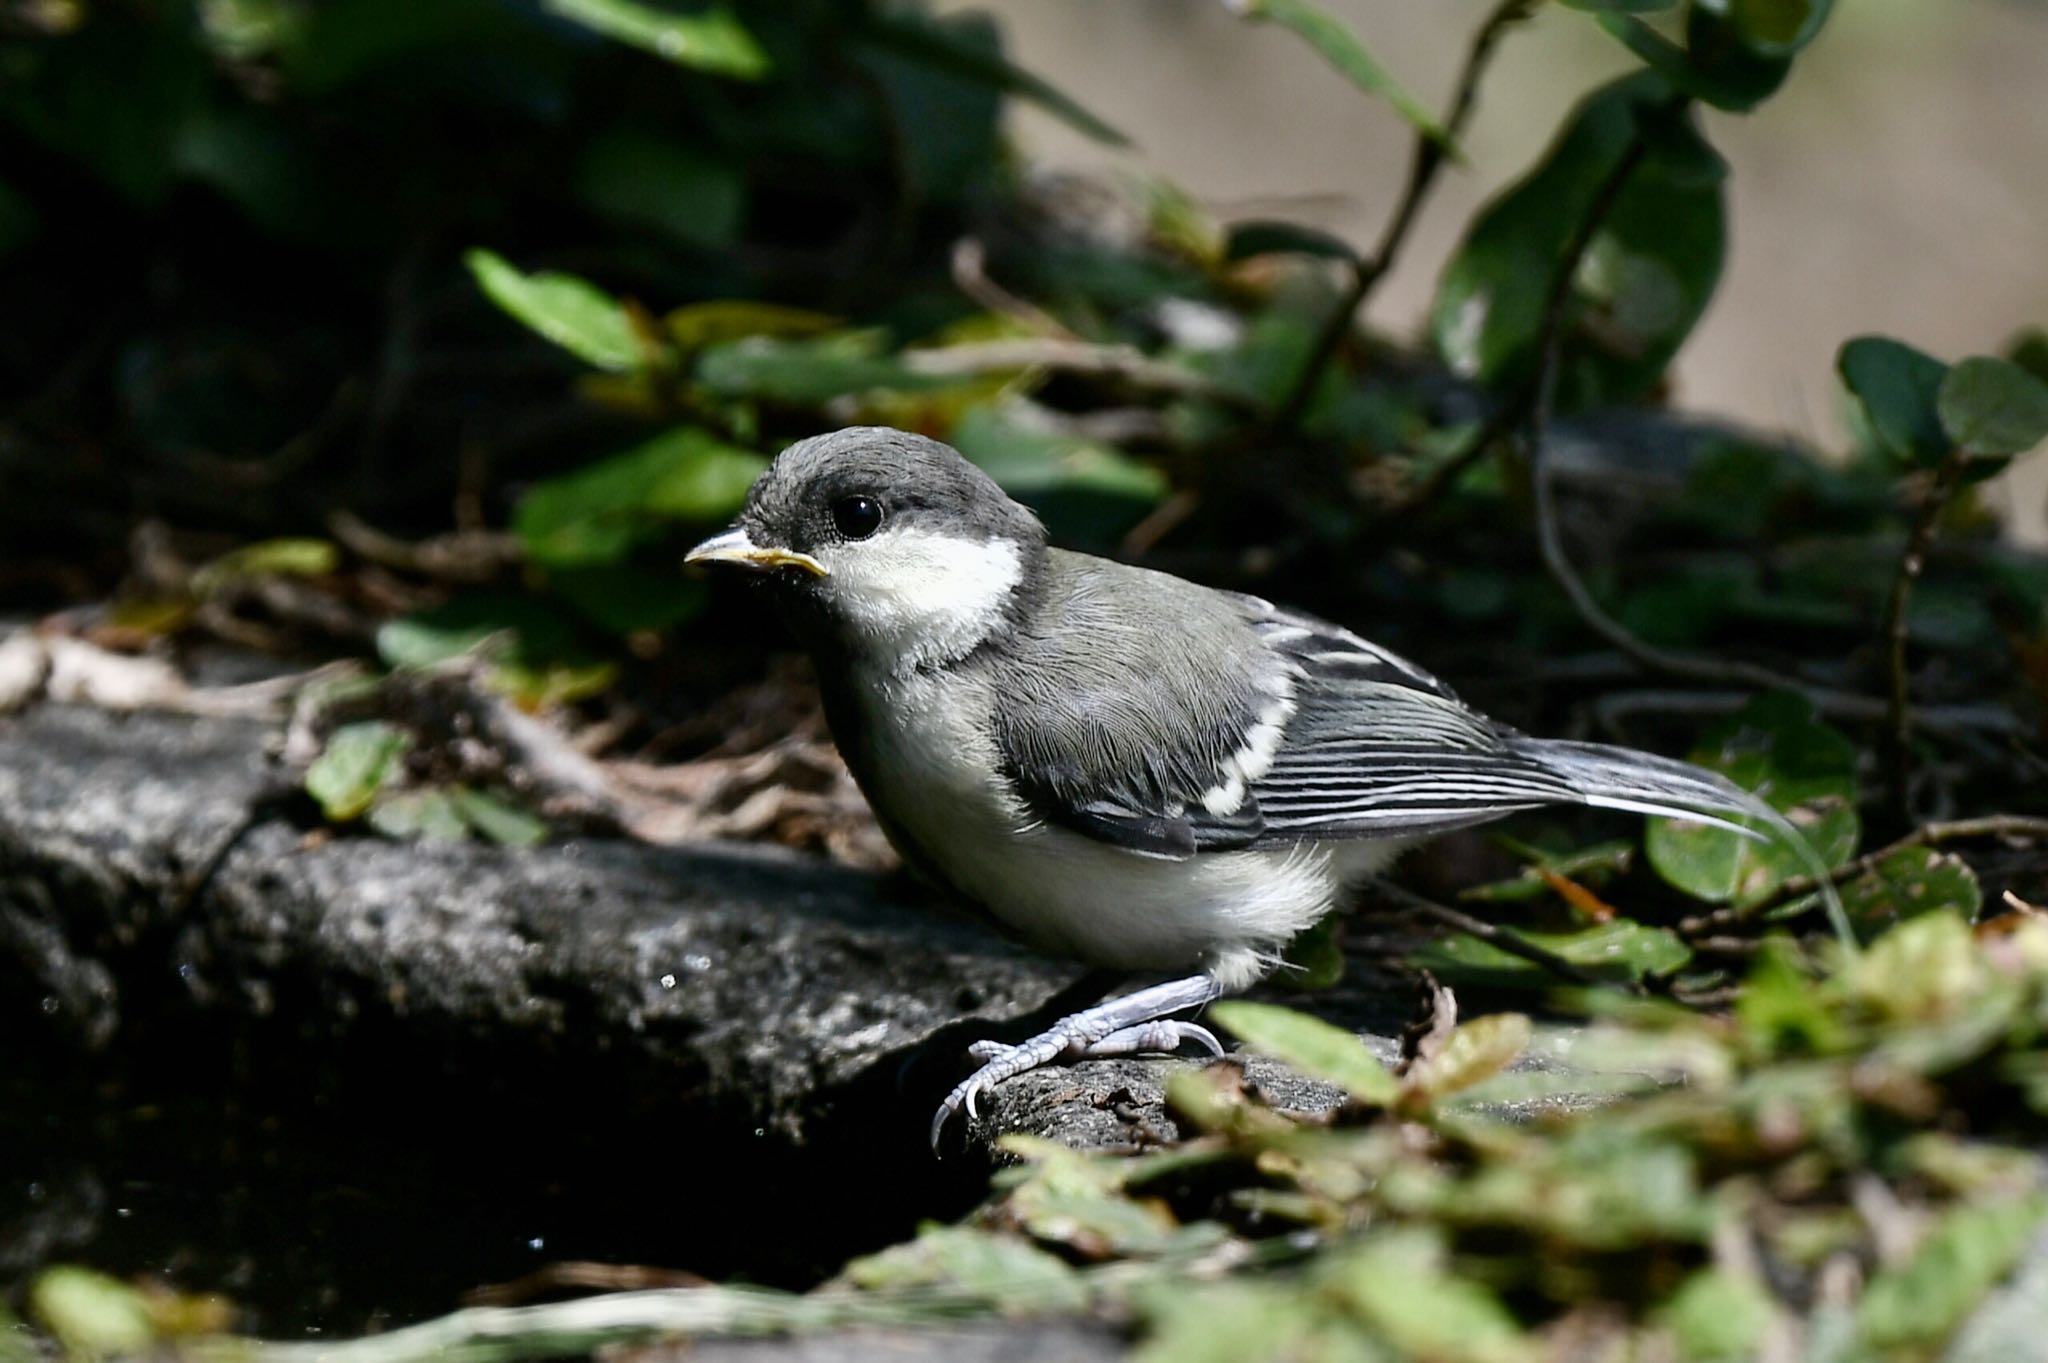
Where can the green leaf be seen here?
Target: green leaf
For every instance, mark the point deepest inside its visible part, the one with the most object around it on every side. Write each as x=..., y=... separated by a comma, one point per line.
x=1341, y=48
x=946, y=123
x=1718, y=1317
x=1622, y=950
x=267, y=558
x=810, y=371
x=637, y=179
x=1910, y=882
x=1315, y=956
x=937, y=45
x=1898, y=389
x=1922, y=1300
x=1620, y=6
x=1992, y=408
x=2028, y=350
x=419, y=816
x=1777, y=28
x=1231, y=1320
x=357, y=763
x=1475, y=1052
x=1248, y=239
x=1644, y=281
x=496, y=820
x=1714, y=66
x=1007, y=1273
x=91, y=1315
x=1084, y=489
x=573, y=313
x=734, y=319
x=1781, y=1012
x=1312, y=1046
x=1776, y=747
x=1399, y=1283
x=710, y=40
x=600, y=513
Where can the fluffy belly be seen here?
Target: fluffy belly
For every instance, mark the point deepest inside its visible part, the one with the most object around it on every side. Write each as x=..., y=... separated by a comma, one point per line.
x=1225, y=912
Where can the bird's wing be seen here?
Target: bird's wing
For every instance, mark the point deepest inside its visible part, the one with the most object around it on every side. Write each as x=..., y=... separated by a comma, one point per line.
x=1245, y=726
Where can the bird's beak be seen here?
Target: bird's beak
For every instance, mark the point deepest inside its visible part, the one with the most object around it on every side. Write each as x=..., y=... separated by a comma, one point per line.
x=734, y=547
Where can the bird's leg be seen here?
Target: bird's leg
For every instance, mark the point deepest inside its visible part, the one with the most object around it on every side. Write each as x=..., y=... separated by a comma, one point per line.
x=1123, y=1026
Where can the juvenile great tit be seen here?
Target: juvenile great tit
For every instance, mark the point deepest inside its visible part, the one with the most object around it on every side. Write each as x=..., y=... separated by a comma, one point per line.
x=1119, y=765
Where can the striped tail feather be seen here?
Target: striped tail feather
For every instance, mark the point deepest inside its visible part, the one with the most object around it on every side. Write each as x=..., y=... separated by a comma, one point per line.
x=1643, y=783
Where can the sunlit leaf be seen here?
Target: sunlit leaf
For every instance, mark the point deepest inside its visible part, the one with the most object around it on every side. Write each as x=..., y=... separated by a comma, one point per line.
x=1475, y=1052
x=268, y=558
x=1621, y=950
x=710, y=40
x=1776, y=747
x=1008, y=1273
x=573, y=313
x=734, y=319
x=1898, y=389
x=599, y=513
x=419, y=815
x=93, y=1316
x=1340, y=47
x=354, y=767
x=1309, y=1044
x=1400, y=1283
x=1993, y=408
x=1719, y=1317
x=1920, y=1301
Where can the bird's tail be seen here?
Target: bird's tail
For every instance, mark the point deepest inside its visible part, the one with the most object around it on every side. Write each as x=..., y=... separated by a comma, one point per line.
x=1643, y=783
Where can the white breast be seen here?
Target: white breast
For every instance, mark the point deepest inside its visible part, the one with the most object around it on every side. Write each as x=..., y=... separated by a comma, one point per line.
x=1227, y=912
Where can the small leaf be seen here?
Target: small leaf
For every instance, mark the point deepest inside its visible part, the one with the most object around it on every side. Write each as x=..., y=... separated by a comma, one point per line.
x=810, y=371
x=1003, y=1271
x=498, y=821
x=1313, y=1046
x=1992, y=408
x=1341, y=48
x=941, y=47
x=1623, y=949
x=1777, y=28
x=1475, y=1052
x=92, y=1315
x=711, y=40
x=1400, y=1284
x=1898, y=388
x=573, y=313
x=734, y=319
x=1248, y=239
x=1315, y=958
x=1777, y=748
x=1714, y=66
x=268, y=558
x=419, y=816
x=357, y=762
x=601, y=512
x=1969, y=1252
x=1718, y=1317
x=1910, y=882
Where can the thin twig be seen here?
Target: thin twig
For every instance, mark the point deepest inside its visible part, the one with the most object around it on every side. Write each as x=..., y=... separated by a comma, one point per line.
x=1510, y=942
x=1927, y=835
x=1424, y=163
x=1899, y=706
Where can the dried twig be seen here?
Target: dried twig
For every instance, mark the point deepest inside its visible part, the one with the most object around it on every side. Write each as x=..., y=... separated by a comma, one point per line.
x=1424, y=163
x=971, y=277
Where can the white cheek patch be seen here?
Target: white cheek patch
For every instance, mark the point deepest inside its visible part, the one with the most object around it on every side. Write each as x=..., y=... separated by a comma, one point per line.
x=915, y=598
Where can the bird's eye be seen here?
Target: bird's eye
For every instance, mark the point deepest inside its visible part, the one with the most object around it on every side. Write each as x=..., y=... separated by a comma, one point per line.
x=857, y=517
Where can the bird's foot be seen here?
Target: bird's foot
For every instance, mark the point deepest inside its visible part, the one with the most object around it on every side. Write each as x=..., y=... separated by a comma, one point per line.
x=1127, y=1026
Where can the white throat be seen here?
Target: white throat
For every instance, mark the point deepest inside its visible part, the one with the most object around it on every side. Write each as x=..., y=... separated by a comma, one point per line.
x=912, y=598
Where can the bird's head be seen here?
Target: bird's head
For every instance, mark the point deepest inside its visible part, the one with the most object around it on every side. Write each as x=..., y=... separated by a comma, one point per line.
x=888, y=544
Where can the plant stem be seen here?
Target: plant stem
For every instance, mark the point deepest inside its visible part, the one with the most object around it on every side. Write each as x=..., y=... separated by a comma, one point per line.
x=1424, y=162
x=1899, y=710
x=1514, y=944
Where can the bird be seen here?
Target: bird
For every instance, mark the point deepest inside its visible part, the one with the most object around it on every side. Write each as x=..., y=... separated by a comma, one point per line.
x=1118, y=765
